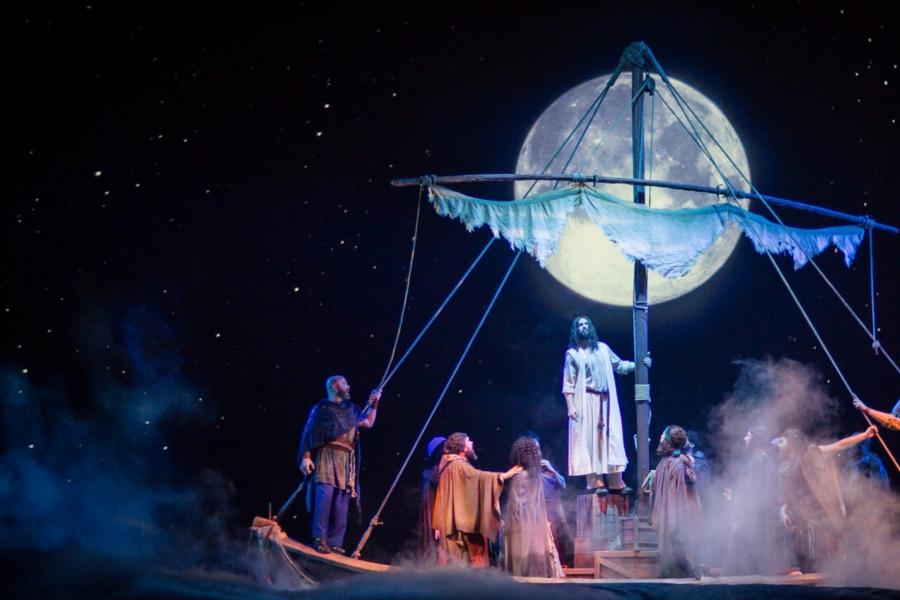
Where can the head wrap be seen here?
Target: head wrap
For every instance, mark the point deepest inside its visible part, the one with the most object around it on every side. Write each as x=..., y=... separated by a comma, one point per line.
x=435, y=443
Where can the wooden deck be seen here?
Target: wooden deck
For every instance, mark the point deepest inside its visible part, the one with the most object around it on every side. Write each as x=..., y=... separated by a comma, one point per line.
x=331, y=567
x=575, y=577
x=321, y=567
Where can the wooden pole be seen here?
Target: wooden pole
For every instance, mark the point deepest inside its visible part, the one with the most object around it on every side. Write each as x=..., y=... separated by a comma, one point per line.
x=862, y=220
x=640, y=306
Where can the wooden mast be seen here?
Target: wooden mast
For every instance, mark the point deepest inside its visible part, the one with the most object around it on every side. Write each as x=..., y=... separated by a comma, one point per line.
x=634, y=54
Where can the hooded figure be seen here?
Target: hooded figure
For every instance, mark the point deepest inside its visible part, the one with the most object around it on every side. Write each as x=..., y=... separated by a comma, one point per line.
x=813, y=510
x=812, y=507
x=676, y=512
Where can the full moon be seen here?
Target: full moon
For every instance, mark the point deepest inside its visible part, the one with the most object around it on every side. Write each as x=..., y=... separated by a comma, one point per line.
x=586, y=261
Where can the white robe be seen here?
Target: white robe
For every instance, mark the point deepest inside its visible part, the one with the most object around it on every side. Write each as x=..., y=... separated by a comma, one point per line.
x=590, y=451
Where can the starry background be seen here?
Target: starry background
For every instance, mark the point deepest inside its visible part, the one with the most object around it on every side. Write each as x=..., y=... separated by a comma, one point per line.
x=198, y=228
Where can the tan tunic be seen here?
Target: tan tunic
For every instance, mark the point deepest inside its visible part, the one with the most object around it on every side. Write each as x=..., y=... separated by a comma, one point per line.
x=336, y=466
x=467, y=500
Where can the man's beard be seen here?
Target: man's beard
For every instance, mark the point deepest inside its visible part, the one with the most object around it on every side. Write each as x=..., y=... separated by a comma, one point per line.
x=470, y=454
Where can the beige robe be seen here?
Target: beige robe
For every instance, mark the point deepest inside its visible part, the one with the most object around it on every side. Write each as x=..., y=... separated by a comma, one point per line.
x=591, y=451
x=467, y=500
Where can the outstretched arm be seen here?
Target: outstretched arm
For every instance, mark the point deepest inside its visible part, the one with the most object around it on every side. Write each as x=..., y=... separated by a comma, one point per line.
x=624, y=367
x=849, y=442
x=512, y=472
x=558, y=479
x=369, y=421
x=886, y=419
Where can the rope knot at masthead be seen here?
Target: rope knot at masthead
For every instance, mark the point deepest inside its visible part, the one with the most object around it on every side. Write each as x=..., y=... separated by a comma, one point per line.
x=635, y=54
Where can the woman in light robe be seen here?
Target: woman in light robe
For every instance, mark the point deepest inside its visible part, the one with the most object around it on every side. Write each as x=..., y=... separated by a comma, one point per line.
x=528, y=546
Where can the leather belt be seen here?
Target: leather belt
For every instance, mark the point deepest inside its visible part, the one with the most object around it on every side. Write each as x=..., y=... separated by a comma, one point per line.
x=339, y=446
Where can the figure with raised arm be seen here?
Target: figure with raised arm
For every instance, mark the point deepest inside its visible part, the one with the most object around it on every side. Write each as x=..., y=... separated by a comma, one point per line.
x=329, y=455
x=812, y=506
x=466, y=513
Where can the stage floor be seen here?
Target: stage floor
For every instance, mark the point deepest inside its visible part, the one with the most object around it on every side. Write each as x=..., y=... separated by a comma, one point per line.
x=76, y=574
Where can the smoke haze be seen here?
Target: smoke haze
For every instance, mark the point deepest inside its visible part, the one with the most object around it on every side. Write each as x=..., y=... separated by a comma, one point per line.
x=94, y=469
x=743, y=495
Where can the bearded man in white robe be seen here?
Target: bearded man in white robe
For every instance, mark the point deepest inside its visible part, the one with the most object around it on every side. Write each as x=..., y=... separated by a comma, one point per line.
x=596, y=441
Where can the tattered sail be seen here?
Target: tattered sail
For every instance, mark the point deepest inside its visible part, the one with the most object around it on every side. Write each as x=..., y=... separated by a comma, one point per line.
x=667, y=241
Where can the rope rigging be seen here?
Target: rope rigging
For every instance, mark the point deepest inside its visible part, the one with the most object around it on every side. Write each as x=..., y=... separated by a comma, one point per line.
x=376, y=518
x=625, y=110
x=437, y=313
x=876, y=345
x=595, y=105
x=389, y=373
x=732, y=197
x=652, y=92
x=412, y=255
x=583, y=124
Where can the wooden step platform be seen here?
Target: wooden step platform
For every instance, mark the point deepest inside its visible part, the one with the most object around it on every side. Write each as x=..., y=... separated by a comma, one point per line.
x=611, y=542
x=626, y=564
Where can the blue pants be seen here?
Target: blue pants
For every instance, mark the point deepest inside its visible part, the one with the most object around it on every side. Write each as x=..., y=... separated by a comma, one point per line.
x=329, y=521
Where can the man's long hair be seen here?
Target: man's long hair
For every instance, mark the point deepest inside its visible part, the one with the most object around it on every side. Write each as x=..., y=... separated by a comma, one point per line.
x=574, y=340
x=526, y=452
x=456, y=443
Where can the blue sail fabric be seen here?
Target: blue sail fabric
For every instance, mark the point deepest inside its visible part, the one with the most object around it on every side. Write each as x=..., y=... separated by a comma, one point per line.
x=666, y=241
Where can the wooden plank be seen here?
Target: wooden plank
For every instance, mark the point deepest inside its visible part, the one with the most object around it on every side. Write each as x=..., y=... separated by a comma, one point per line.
x=271, y=530
x=578, y=572
x=600, y=561
x=336, y=560
x=629, y=553
x=811, y=579
x=584, y=504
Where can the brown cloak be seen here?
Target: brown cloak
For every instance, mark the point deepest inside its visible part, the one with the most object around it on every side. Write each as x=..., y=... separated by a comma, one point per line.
x=815, y=506
x=467, y=500
x=676, y=514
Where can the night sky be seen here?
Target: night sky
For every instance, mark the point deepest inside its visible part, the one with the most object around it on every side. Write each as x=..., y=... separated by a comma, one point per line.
x=198, y=227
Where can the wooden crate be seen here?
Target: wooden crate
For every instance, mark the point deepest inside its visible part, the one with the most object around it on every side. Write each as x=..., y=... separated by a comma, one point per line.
x=637, y=534
x=598, y=525
x=626, y=564
x=584, y=552
x=596, y=513
x=578, y=572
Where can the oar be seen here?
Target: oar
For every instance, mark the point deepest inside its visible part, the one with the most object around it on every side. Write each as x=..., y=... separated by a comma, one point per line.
x=293, y=497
